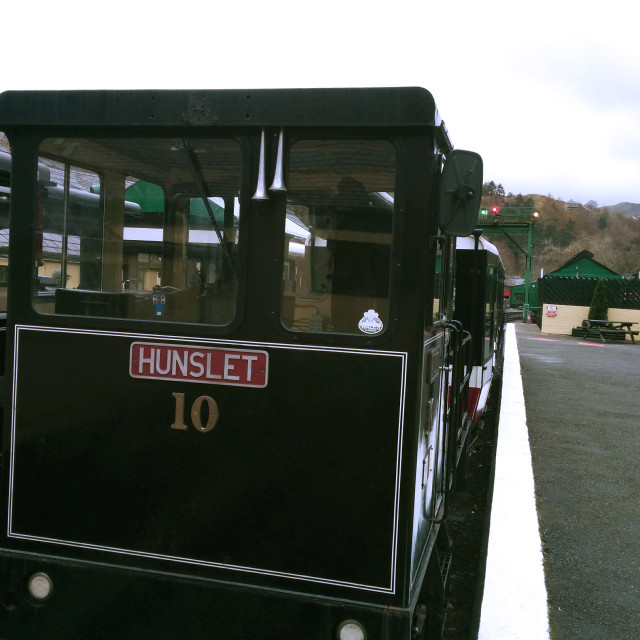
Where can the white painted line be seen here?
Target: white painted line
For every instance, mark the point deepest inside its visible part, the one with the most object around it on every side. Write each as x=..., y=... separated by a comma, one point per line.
x=514, y=605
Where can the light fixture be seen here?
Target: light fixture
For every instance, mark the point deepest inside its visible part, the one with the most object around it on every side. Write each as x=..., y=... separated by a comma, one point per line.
x=40, y=586
x=351, y=630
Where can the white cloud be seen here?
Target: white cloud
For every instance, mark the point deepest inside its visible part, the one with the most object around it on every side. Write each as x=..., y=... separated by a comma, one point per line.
x=547, y=92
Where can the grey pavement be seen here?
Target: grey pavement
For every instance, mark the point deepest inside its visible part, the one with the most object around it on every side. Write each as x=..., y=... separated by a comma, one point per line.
x=582, y=403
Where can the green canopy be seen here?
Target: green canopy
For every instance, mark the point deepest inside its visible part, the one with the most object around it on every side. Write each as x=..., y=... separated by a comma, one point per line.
x=149, y=196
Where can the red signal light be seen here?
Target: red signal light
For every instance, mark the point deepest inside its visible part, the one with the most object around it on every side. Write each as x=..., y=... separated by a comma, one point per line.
x=495, y=211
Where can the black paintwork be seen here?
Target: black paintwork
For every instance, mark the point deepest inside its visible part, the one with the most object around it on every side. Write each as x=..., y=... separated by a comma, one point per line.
x=295, y=511
x=278, y=458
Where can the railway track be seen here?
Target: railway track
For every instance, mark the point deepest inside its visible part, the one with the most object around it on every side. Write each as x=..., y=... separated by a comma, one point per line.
x=513, y=315
x=468, y=525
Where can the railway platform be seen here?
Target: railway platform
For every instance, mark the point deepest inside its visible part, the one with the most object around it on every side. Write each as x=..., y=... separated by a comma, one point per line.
x=514, y=601
x=562, y=559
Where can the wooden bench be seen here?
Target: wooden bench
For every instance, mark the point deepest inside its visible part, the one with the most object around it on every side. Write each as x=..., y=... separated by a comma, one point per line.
x=627, y=332
x=605, y=333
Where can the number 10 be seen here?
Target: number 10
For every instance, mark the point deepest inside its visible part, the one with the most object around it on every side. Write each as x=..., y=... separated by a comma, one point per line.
x=196, y=413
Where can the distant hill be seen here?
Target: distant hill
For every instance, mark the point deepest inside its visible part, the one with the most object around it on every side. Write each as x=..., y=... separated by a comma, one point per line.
x=625, y=208
x=564, y=229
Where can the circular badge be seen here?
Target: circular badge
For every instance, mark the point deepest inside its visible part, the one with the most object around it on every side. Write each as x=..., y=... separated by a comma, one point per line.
x=370, y=322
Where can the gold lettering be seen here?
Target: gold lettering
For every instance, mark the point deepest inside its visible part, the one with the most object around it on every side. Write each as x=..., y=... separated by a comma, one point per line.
x=179, y=415
x=196, y=413
x=212, y=418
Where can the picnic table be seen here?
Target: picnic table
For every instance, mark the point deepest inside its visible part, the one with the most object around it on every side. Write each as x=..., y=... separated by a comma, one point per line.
x=609, y=330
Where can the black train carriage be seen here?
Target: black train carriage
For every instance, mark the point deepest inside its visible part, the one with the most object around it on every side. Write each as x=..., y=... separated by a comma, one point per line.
x=226, y=406
x=479, y=307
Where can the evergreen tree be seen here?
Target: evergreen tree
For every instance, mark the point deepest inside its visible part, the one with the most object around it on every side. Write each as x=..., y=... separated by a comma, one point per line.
x=599, y=303
x=489, y=188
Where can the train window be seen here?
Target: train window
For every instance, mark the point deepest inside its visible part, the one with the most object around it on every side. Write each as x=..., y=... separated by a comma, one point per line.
x=5, y=197
x=339, y=223
x=439, y=279
x=490, y=285
x=444, y=280
x=139, y=228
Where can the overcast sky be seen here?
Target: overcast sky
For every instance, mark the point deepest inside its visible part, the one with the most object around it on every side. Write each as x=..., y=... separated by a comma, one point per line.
x=548, y=92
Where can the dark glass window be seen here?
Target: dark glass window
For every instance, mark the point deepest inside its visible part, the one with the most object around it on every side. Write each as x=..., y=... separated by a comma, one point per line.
x=339, y=226
x=138, y=228
x=5, y=199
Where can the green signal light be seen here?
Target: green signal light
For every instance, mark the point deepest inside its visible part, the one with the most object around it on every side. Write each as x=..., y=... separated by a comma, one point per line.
x=483, y=212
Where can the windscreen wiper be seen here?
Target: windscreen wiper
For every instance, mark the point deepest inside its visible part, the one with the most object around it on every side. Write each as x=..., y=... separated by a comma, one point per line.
x=193, y=165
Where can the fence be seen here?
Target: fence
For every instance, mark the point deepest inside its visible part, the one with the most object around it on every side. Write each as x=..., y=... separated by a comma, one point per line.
x=565, y=301
x=621, y=293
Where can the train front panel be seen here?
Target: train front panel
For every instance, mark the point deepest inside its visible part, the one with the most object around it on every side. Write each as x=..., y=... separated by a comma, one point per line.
x=215, y=365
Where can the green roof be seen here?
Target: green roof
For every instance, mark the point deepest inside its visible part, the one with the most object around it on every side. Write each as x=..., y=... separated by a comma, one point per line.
x=582, y=265
x=149, y=196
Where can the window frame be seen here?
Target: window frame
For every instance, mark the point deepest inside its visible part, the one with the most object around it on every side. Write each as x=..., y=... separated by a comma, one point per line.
x=242, y=139
x=340, y=135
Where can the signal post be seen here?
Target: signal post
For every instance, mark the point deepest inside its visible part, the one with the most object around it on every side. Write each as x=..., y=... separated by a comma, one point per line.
x=518, y=219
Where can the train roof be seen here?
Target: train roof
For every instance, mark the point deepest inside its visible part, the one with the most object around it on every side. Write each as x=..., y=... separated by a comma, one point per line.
x=468, y=243
x=391, y=107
